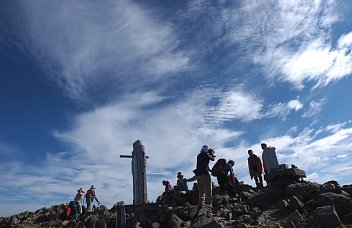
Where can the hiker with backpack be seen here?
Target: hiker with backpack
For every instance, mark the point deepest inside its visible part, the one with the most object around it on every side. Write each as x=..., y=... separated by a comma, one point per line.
x=78, y=199
x=219, y=171
x=205, y=155
x=269, y=158
x=71, y=213
x=223, y=171
x=90, y=196
x=255, y=168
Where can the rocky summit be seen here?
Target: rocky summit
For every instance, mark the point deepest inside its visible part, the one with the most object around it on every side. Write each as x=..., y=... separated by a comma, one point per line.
x=282, y=203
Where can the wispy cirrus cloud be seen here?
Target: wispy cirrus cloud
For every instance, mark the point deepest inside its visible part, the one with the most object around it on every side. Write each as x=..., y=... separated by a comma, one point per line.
x=291, y=40
x=297, y=44
x=88, y=45
x=314, y=108
x=282, y=110
x=235, y=104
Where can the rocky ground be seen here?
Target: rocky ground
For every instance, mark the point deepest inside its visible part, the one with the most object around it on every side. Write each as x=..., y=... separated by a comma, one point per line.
x=281, y=204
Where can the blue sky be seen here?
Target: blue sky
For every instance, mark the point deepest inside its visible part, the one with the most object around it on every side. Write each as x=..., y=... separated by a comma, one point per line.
x=82, y=80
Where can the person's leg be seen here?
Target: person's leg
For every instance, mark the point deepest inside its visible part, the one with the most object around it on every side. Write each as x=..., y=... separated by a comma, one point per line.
x=260, y=180
x=200, y=181
x=89, y=204
x=256, y=180
x=79, y=207
x=207, y=189
x=221, y=180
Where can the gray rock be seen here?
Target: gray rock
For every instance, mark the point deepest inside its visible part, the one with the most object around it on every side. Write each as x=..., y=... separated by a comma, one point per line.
x=266, y=198
x=175, y=221
x=155, y=225
x=255, y=213
x=296, y=217
x=289, y=224
x=245, y=219
x=325, y=216
x=295, y=204
x=282, y=205
x=342, y=203
x=213, y=224
x=332, y=183
x=305, y=190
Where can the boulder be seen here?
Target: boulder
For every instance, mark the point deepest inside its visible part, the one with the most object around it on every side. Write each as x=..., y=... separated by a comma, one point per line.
x=343, y=204
x=325, y=216
x=213, y=224
x=266, y=198
x=174, y=221
x=304, y=190
x=295, y=204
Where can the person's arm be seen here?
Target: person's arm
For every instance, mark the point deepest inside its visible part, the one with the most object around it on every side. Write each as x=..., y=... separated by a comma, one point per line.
x=95, y=197
x=250, y=168
x=264, y=162
x=192, y=178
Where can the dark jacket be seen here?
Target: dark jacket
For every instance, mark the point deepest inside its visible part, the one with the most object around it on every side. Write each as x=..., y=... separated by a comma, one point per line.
x=254, y=165
x=202, y=164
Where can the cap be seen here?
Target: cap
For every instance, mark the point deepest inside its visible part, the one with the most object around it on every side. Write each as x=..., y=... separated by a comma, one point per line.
x=179, y=174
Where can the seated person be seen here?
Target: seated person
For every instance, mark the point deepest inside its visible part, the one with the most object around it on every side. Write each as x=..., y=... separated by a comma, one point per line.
x=181, y=183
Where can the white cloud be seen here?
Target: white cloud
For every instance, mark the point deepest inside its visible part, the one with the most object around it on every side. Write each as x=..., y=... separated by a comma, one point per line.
x=290, y=39
x=282, y=110
x=235, y=105
x=88, y=45
x=295, y=105
x=314, y=108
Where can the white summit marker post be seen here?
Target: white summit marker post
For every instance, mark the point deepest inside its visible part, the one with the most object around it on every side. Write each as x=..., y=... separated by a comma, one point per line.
x=139, y=160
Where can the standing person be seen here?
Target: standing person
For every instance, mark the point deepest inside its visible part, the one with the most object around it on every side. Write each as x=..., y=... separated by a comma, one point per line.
x=255, y=168
x=203, y=177
x=78, y=199
x=269, y=158
x=90, y=196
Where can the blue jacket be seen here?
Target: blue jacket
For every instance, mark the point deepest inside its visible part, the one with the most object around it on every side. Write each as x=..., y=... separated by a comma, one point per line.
x=182, y=184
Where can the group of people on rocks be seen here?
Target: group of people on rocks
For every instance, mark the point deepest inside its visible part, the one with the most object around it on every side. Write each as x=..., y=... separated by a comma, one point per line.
x=224, y=173
x=76, y=208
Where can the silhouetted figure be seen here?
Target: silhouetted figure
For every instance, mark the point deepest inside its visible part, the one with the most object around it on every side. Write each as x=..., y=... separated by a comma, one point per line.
x=203, y=177
x=90, y=196
x=181, y=183
x=269, y=158
x=255, y=168
x=78, y=199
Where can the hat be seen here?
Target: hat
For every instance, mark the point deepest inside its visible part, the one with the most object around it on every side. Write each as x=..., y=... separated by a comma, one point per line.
x=92, y=187
x=179, y=174
x=204, y=149
x=81, y=190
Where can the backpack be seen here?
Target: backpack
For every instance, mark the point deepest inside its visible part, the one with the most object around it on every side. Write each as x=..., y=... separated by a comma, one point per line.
x=218, y=167
x=73, y=206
